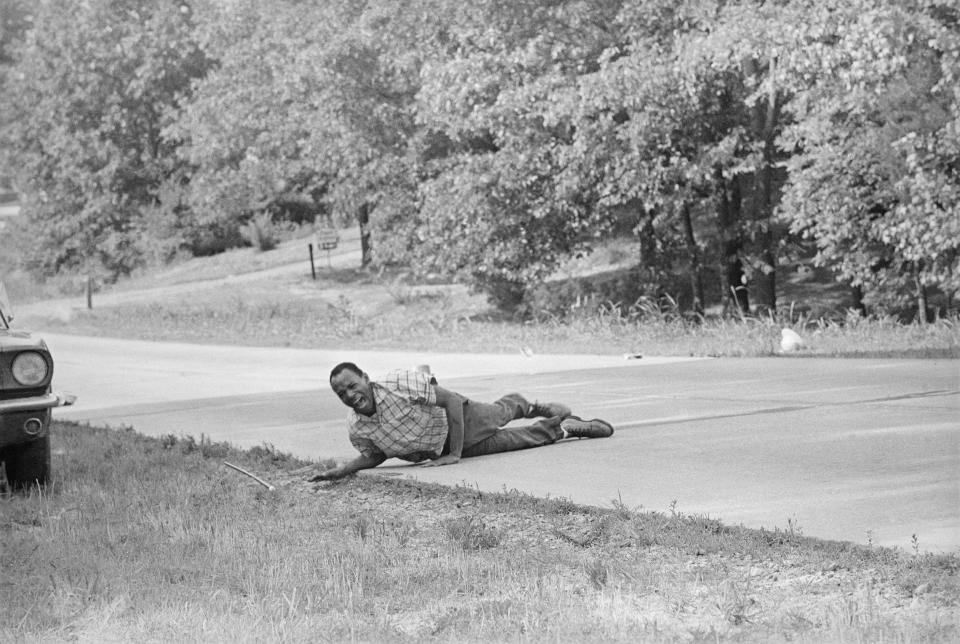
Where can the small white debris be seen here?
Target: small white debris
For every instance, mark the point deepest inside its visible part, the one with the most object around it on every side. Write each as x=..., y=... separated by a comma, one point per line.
x=790, y=340
x=527, y=351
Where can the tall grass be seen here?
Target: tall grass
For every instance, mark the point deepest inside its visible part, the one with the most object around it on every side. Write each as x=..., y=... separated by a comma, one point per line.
x=437, y=321
x=143, y=539
x=261, y=232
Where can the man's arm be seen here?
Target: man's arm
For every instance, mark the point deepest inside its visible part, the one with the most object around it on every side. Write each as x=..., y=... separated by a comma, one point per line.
x=452, y=404
x=359, y=463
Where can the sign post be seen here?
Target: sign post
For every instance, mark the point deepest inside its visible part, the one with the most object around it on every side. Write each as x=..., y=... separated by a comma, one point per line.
x=327, y=239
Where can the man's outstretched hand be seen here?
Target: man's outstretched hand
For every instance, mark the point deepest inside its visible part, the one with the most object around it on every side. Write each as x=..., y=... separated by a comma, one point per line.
x=447, y=459
x=359, y=463
x=328, y=475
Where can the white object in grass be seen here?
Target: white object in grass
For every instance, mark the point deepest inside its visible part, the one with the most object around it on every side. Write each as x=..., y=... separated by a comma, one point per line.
x=790, y=340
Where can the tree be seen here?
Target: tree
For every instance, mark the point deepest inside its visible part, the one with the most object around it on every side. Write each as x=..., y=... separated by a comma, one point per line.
x=730, y=58
x=86, y=101
x=491, y=143
x=874, y=181
x=667, y=126
x=493, y=140
x=15, y=18
x=311, y=102
x=252, y=133
x=592, y=117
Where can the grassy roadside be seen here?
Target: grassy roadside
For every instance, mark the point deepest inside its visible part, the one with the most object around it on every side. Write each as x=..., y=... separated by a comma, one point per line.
x=349, y=308
x=154, y=539
x=244, y=296
x=268, y=298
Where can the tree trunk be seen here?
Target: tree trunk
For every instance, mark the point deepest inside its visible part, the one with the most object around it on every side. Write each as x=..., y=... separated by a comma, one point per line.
x=766, y=116
x=366, y=248
x=648, y=239
x=728, y=221
x=856, y=291
x=696, y=270
x=647, y=272
x=922, y=315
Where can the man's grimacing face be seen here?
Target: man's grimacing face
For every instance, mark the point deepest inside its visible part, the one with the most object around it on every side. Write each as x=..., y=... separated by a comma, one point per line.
x=354, y=391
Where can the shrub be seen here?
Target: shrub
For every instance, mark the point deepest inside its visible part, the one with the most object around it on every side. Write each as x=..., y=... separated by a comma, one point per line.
x=260, y=232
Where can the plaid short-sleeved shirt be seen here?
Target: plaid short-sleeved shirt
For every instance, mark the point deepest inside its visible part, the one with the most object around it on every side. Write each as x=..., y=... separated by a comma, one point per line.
x=407, y=423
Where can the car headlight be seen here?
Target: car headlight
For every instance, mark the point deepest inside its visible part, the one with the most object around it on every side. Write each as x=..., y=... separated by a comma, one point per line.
x=29, y=368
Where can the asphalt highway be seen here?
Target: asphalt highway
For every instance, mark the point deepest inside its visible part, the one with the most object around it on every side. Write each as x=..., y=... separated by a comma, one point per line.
x=860, y=450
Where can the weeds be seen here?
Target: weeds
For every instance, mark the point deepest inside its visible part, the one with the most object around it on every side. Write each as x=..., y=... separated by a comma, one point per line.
x=206, y=447
x=401, y=291
x=260, y=232
x=598, y=572
x=471, y=533
x=737, y=602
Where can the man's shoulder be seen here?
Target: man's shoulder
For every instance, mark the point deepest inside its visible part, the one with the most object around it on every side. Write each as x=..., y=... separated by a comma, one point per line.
x=414, y=386
x=404, y=379
x=392, y=376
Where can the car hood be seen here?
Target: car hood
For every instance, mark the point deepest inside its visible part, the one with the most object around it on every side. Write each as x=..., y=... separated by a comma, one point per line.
x=19, y=341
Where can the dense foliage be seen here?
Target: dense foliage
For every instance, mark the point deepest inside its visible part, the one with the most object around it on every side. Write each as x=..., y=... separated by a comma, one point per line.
x=84, y=108
x=492, y=141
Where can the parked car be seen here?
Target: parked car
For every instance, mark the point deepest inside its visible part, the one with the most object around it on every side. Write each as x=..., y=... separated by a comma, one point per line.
x=26, y=401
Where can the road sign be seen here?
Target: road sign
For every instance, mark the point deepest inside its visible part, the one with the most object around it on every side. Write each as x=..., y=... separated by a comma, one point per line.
x=326, y=238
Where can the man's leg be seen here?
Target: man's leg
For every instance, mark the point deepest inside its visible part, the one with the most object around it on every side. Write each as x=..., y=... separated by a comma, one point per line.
x=483, y=431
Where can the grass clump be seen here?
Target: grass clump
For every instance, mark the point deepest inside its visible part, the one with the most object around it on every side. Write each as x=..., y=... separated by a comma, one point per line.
x=149, y=539
x=471, y=533
x=260, y=232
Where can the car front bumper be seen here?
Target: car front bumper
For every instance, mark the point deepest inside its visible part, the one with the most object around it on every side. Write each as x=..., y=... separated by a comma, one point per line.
x=28, y=419
x=46, y=401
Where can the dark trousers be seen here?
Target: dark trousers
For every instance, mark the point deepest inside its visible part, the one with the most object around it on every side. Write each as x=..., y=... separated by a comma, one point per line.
x=484, y=431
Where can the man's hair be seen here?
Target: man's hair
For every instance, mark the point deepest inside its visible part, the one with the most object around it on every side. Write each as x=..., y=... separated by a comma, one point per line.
x=345, y=366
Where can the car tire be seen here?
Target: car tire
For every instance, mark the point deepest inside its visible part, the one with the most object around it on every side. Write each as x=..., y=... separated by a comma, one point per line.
x=28, y=464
